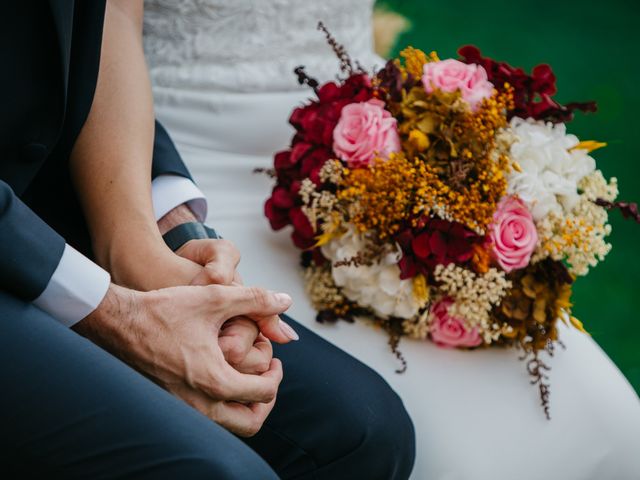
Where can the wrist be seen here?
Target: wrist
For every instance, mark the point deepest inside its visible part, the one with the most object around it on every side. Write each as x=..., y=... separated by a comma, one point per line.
x=179, y=215
x=128, y=247
x=133, y=261
x=154, y=269
x=111, y=324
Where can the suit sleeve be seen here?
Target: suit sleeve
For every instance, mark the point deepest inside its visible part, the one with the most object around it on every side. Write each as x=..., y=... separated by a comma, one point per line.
x=172, y=183
x=38, y=266
x=31, y=250
x=166, y=159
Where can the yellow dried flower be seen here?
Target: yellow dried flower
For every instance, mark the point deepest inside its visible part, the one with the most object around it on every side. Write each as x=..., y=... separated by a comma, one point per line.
x=579, y=236
x=421, y=289
x=388, y=193
x=418, y=140
x=465, y=152
x=481, y=259
x=414, y=60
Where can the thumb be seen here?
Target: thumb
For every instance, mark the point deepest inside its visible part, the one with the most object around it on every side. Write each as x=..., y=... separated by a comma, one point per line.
x=261, y=306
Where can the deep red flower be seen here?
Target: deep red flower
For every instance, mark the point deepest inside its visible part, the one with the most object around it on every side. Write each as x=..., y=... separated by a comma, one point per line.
x=282, y=198
x=278, y=217
x=434, y=242
x=310, y=148
x=303, y=235
x=532, y=93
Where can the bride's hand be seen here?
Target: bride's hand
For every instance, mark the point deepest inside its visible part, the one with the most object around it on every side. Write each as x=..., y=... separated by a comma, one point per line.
x=217, y=258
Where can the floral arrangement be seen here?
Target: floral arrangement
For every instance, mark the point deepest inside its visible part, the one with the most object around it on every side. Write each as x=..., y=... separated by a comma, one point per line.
x=444, y=200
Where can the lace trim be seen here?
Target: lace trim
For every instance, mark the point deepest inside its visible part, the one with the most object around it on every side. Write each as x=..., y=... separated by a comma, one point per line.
x=242, y=45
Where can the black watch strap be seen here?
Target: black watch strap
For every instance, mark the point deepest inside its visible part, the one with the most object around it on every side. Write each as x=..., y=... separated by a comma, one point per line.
x=178, y=236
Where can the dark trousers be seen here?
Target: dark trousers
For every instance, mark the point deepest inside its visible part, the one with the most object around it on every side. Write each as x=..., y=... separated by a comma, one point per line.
x=70, y=410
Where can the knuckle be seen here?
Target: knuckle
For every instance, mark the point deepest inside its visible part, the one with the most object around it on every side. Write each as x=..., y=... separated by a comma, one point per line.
x=216, y=385
x=260, y=297
x=229, y=247
x=263, y=365
x=216, y=292
x=235, y=353
x=214, y=275
x=224, y=244
x=254, y=425
x=271, y=392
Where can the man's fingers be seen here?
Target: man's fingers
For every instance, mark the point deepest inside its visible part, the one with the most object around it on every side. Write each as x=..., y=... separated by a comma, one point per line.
x=243, y=420
x=263, y=344
x=245, y=388
x=238, y=301
x=261, y=306
x=236, y=339
x=258, y=359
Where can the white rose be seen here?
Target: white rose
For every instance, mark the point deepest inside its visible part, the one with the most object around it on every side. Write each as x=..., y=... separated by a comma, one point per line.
x=551, y=171
x=377, y=286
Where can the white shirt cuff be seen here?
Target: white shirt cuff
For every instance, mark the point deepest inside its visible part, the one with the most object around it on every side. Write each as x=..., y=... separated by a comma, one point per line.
x=75, y=289
x=169, y=191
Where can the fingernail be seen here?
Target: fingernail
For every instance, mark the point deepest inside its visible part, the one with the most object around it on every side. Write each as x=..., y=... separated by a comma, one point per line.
x=283, y=298
x=288, y=331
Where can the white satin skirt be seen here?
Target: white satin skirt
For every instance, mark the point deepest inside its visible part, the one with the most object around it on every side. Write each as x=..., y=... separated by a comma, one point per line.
x=476, y=415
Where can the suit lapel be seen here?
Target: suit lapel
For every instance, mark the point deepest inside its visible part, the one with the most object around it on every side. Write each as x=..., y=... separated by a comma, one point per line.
x=62, y=13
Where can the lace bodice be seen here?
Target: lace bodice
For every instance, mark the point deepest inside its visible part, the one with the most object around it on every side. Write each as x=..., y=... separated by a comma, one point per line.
x=248, y=45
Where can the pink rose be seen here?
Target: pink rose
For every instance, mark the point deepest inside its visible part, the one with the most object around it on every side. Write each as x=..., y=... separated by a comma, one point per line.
x=451, y=75
x=365, y=130
x=513, y=234
x=447, y=331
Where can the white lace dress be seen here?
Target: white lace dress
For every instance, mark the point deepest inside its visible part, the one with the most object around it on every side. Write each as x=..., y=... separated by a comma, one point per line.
x=224, y=88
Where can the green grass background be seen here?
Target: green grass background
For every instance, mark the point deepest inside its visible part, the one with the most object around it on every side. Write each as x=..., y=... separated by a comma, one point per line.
x=593, y=48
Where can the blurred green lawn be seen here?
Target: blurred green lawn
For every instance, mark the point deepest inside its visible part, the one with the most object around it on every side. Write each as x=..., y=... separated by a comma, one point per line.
x=593, y=49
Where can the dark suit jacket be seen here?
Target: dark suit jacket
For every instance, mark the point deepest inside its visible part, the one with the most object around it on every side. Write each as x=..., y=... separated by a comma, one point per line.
x=49, y=54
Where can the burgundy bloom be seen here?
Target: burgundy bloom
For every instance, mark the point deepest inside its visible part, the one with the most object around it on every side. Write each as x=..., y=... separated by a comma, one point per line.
x=532, y=93
x=312, y=164
x=283, y=160
x=282, y=198
x=303, y=235
x=435, y=242
x=392, y=81
x=278, y=217
x=310, y=148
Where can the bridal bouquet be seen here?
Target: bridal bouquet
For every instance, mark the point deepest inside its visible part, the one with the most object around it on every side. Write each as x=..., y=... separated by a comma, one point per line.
x=445, y=200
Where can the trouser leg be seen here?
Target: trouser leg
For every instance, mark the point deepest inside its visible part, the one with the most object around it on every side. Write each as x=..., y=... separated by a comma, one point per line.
x=70, y=410
x=335, y=418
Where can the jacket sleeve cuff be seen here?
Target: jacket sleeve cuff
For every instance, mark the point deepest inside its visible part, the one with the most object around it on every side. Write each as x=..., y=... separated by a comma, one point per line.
x=169, y=191
x=75, y=289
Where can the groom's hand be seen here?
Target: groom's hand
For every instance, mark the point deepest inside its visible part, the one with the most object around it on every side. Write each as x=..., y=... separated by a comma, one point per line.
x=169, y=335
x=244, y=347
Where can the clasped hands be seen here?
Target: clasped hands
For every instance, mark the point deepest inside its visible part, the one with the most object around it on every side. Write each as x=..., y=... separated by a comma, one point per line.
x=244, y=340
x=209, y=342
